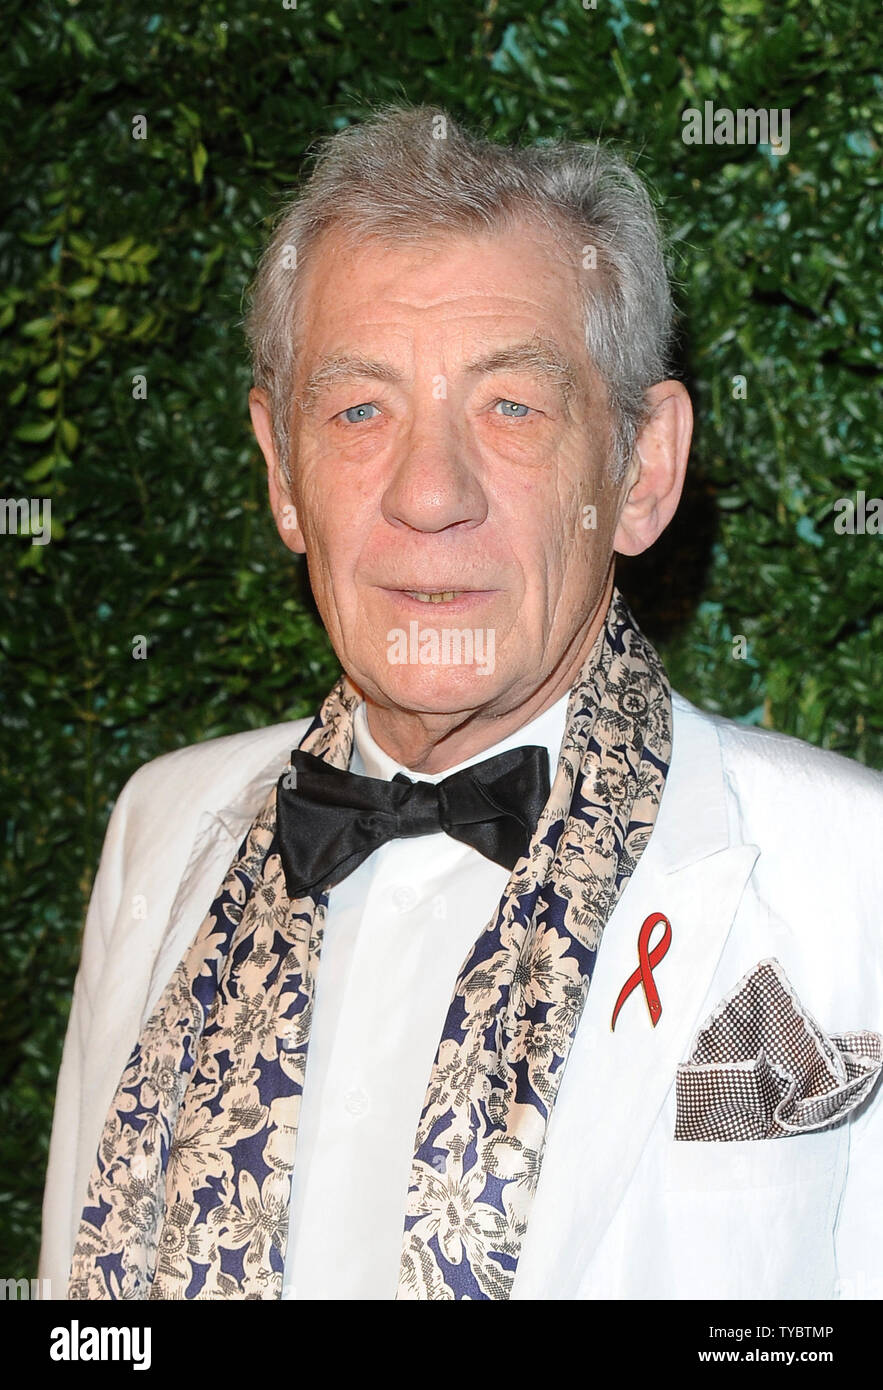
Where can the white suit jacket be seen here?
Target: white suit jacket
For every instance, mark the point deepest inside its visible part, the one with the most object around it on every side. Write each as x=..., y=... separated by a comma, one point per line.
x=764, y=846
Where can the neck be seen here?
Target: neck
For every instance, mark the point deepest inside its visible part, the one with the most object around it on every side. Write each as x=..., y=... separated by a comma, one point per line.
x=435, y=742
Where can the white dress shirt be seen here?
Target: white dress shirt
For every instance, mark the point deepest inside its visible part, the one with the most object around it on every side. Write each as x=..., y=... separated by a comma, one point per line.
x=397, y=933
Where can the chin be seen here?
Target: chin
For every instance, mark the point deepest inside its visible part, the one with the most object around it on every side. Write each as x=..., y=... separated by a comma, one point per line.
x=435, y=689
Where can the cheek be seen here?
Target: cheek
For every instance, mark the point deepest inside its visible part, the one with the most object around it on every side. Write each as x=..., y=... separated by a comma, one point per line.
x=335, y=496
x=322, y=516
x=577, y=555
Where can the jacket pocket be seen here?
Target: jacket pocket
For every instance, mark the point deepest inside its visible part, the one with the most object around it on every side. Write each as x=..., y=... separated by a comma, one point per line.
x=722, y=1166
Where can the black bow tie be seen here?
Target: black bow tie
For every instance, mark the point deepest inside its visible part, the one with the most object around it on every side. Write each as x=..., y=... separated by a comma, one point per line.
x=329, y=821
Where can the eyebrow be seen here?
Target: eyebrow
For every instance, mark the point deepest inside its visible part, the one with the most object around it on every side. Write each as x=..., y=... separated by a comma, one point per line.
x=536, y=354
x=331, y=370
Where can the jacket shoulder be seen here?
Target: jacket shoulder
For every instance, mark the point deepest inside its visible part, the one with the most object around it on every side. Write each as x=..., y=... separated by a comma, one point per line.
x=800, y=804
x=753, y=756
x=207, y=775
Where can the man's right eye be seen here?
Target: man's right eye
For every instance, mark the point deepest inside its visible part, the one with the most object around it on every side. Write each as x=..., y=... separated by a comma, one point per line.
x=356, y=413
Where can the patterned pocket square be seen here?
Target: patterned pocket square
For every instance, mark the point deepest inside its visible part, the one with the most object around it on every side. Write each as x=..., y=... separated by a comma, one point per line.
x=762, y=1068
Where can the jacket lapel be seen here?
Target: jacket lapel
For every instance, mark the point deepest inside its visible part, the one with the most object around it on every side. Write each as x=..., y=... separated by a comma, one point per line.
x=218, y=837
x=617, y=1081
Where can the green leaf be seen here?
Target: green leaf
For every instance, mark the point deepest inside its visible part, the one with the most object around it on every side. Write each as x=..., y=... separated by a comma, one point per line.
x=69, y=435
x=117, y=250
x=81, y=38
x=80, y=244
x=82, y=289
x=144, y=326
x=200, y=159
x=38, y=328
x=190, y=116
x=41, y=469
x=110, y=318
x=35, y=431
x=143, y=254
x=32, y=557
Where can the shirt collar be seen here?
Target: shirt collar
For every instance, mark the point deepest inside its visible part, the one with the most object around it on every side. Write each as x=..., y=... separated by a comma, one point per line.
x=547, y=731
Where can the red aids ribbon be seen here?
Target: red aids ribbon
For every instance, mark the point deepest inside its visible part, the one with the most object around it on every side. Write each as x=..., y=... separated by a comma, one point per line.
x=644, y=973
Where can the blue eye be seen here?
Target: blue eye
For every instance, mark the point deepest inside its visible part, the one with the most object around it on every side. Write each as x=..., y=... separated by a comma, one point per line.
x=357, y=413
x=512, y=410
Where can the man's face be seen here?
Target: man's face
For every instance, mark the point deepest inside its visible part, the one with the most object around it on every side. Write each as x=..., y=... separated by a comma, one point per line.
x=453, y=440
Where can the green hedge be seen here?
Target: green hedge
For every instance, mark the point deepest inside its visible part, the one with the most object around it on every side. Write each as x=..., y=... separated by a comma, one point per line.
x=122, y=258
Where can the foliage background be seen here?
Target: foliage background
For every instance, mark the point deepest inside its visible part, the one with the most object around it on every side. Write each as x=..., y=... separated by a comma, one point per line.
x=120, y=257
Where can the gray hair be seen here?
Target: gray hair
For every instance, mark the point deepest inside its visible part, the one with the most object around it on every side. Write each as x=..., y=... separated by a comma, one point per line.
x=411, y=172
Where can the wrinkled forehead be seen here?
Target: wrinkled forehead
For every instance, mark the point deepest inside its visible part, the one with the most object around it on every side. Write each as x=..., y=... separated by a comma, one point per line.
x=504, y=290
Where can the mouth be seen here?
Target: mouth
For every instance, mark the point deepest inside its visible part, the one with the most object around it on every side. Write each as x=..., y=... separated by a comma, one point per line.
x=438, y=596
x=456, y=598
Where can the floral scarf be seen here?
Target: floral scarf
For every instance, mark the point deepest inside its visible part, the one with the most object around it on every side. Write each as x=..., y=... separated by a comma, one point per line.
x=190, y=1190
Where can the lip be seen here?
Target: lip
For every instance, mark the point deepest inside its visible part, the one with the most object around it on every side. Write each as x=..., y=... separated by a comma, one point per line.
x=468, y=599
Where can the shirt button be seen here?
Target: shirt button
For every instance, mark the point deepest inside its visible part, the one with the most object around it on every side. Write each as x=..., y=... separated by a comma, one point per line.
x=356, y=1102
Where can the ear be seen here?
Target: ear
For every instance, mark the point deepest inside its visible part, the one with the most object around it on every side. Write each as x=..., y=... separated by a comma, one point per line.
x=280, y=491
x=655, y=478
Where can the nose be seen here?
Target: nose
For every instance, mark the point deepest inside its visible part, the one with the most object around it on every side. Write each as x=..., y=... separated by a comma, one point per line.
x=434, y=483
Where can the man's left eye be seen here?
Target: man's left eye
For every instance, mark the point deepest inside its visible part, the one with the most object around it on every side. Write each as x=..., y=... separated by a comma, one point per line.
x=356, y=413
x=512, y=410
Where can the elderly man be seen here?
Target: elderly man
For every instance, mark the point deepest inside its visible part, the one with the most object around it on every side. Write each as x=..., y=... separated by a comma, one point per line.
x=510, y=974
